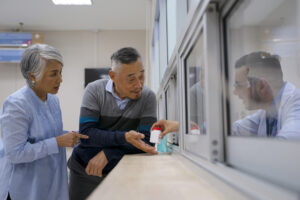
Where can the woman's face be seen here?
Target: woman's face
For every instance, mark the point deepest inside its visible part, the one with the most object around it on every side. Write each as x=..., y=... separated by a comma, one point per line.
x=51, y=78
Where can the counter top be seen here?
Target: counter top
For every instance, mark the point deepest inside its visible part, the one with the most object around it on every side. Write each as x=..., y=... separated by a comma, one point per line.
x=149, y=177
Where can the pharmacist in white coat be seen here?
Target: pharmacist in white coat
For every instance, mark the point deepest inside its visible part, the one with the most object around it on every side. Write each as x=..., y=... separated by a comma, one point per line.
x=259, y=84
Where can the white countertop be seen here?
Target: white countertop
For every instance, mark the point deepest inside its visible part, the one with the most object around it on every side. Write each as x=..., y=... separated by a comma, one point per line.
x=165, y=176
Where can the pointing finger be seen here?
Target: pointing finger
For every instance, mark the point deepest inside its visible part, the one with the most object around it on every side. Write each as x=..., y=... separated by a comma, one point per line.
x=81, y=136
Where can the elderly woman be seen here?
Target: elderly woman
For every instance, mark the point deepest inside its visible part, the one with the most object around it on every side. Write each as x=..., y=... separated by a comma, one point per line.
x=32, y=153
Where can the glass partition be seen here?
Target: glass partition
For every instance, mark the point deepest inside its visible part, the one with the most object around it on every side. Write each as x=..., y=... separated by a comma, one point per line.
x=264, y=71
x=171, y=25
x=194, y=66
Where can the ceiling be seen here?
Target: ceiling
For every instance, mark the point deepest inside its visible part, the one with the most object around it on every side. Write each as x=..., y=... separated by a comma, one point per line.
x=43, y=15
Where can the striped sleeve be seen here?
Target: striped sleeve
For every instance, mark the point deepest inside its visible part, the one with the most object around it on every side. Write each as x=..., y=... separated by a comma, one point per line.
x=89, y=117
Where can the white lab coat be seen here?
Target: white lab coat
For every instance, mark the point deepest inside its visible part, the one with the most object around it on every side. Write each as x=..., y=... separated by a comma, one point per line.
x=288, y=122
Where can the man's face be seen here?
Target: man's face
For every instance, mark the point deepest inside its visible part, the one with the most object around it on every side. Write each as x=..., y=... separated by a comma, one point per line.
x=246, y=89
x=129, y=80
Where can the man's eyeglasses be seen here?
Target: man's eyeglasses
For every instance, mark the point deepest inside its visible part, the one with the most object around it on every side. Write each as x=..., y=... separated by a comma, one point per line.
x=242, y=84
x=251, y=81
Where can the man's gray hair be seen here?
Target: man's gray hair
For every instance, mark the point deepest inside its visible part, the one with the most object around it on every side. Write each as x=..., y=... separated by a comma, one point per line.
x=35, y=58
x=124, y=55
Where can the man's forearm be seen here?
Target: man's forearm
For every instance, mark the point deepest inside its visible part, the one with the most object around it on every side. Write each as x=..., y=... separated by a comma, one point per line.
x=101, y=138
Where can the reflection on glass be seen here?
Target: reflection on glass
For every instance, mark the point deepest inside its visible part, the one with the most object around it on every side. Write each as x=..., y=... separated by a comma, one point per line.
x=171, y=25
x=195, y=82
x=191, y=4
x=264, y=69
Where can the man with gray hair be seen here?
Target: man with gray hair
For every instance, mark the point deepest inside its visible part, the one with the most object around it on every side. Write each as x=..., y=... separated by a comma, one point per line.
x=114, y=114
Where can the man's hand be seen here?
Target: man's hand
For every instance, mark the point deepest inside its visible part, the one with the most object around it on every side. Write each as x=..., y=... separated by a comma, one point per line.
x=96, y=164
x=135, y=139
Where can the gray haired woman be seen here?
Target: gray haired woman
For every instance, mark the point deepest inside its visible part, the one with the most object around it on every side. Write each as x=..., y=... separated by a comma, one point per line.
x=32, y=147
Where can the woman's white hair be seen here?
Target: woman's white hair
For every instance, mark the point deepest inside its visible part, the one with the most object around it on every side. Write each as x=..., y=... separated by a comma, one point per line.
x=35, y=58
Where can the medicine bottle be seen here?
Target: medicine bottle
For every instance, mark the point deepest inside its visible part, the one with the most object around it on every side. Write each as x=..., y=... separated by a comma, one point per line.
x=195, y=130
x=154, y=137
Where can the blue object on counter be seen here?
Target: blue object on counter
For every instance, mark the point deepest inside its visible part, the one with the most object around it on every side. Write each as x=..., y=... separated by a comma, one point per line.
x=162, y=146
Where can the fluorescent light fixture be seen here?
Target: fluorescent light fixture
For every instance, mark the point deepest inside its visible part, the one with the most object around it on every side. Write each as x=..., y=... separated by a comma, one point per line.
x=72, y=2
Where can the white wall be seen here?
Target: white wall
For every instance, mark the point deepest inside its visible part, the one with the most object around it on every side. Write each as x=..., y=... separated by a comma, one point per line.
x=80, y=49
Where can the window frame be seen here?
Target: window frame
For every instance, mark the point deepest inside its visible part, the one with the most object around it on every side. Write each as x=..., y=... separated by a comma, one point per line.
x=249, y=185
x=260, y=161
x=171, y=107
x=163, y=44
x=209, y=146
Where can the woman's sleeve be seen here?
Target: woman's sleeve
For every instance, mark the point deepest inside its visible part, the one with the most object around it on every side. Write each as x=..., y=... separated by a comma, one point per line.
x=18, y=147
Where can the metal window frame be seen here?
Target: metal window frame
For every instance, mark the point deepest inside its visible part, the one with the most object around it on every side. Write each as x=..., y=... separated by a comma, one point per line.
x=209, y=146
x=172, y=105
x=256, y=156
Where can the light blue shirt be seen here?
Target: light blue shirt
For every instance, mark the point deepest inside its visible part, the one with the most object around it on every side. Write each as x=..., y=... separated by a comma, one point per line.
x=120, y=102
x=32, y=167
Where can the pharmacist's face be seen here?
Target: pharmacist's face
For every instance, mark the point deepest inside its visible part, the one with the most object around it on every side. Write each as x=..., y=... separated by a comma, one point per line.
x=129, y=80
x=247, y=89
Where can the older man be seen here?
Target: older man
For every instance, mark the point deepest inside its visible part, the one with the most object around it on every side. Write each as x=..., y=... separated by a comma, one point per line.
x=114, y=113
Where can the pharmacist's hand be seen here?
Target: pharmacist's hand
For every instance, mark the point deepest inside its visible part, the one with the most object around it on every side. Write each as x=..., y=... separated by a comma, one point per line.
x=166, y=126
x=69, y=139
x=96, y=164
x=135, y=139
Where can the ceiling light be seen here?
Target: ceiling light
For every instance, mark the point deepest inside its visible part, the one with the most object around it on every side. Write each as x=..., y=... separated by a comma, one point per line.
x=72, y=2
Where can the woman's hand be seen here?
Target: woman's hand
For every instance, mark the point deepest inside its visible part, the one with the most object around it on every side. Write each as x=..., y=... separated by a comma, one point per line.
x=69, y=139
